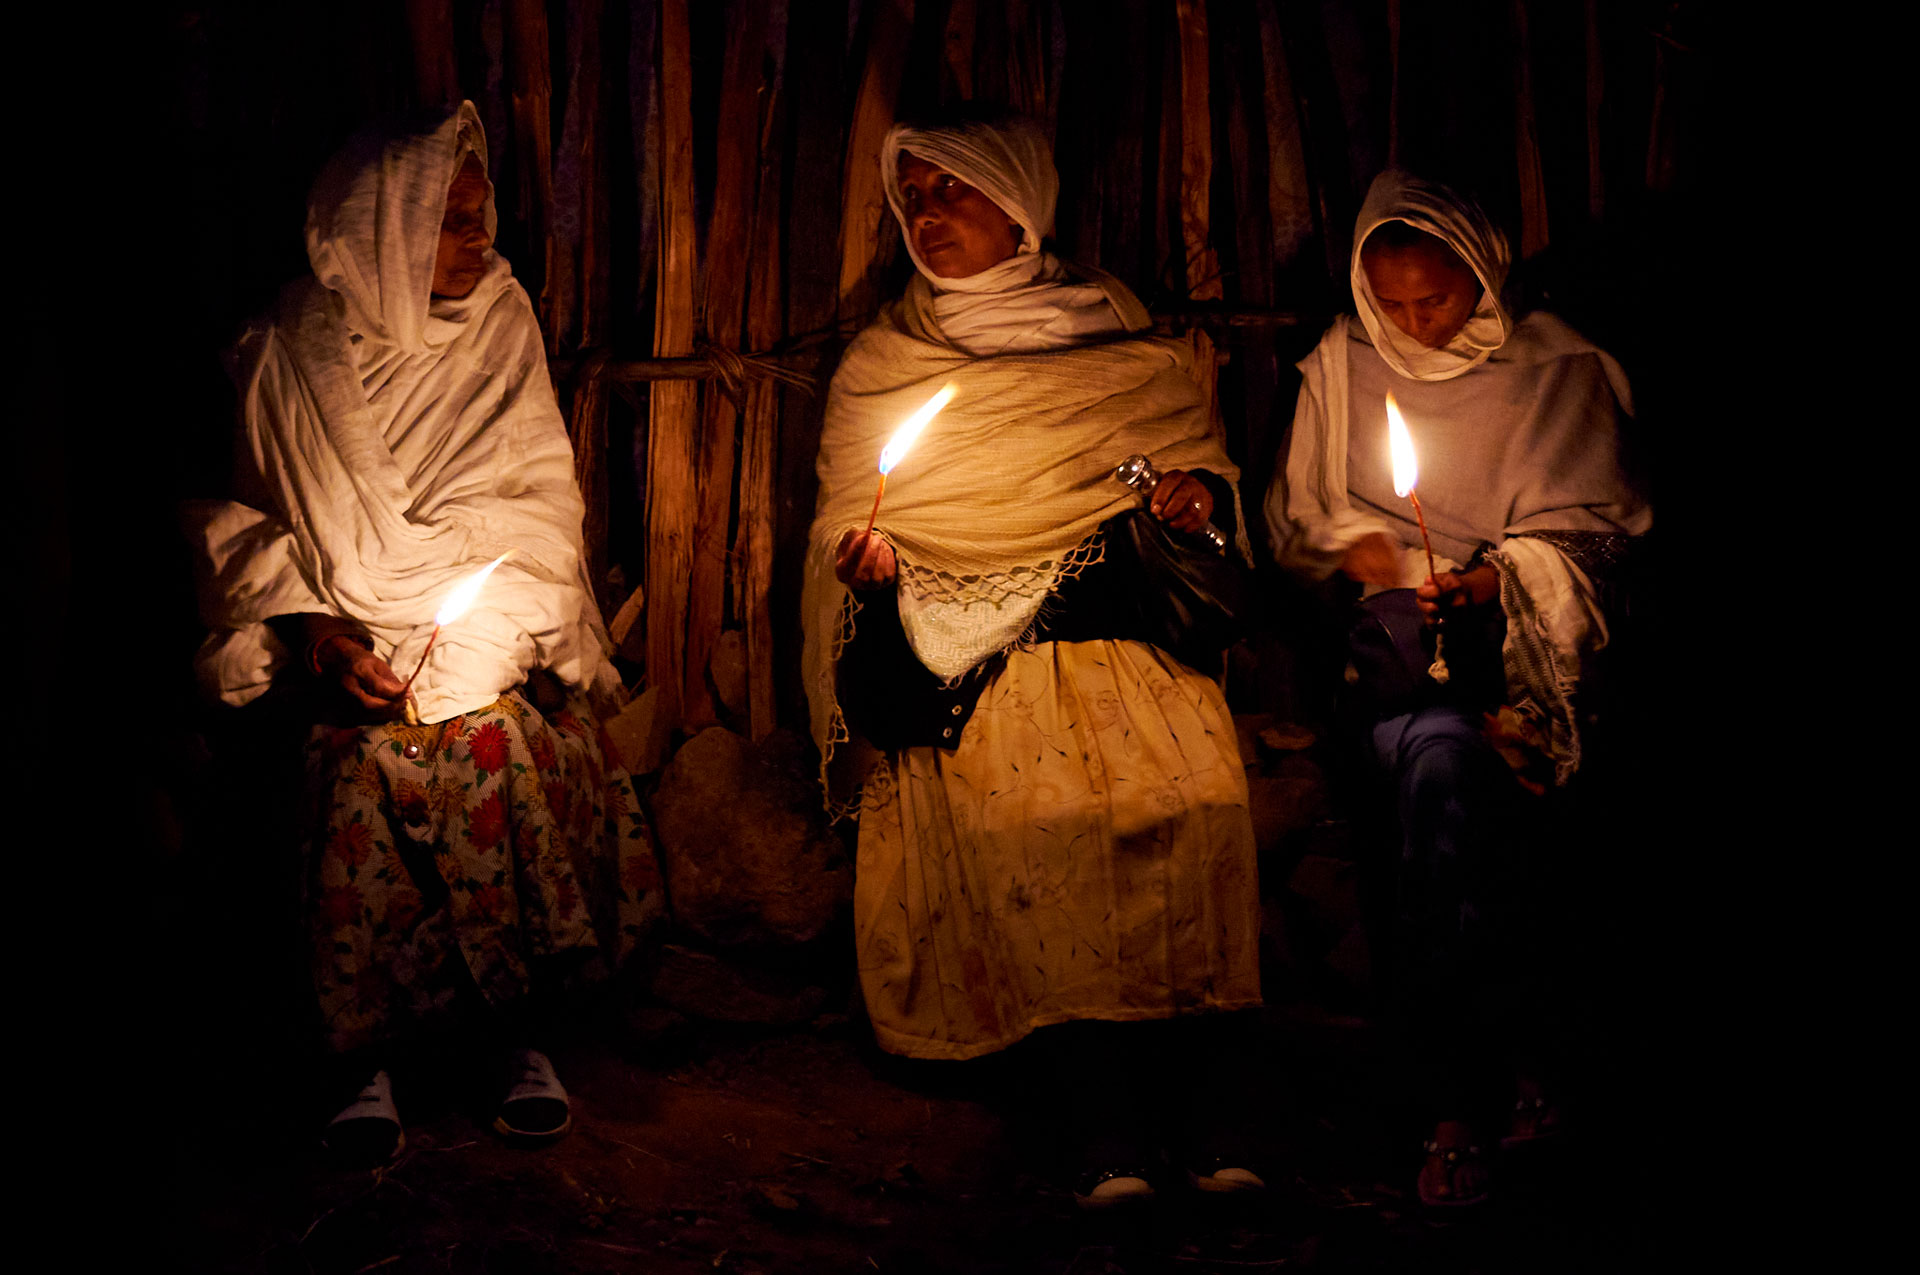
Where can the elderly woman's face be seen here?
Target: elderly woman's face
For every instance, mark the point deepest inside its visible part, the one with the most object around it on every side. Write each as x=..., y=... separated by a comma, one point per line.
x=1424, y=289
x=956, y=230
x=462, y=256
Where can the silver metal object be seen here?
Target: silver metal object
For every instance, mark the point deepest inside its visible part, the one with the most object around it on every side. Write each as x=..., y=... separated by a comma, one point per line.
x=1138, y=473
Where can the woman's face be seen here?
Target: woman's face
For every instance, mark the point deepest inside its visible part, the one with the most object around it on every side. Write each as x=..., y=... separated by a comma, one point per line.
x=956, y=230
x=462, y=256
x=1425, y=289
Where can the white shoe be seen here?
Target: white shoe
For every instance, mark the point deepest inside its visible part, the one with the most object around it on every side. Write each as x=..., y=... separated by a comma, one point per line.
x=536, y=1106
x=367, y=1130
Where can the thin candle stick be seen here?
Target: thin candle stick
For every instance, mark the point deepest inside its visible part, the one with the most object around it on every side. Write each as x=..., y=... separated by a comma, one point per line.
x=1421, y=518
x=876, y=506
x=431, y=639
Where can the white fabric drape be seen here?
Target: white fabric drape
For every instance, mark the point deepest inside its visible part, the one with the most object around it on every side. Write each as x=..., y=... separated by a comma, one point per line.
x=1030, y=301
x=1518, y=438
x=1010, y=482
x=392, y=443
x=1462, y=226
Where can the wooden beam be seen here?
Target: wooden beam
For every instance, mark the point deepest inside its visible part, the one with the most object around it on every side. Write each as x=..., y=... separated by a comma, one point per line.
x=436, y=78
x=531, y=95
x=1526, y=139
x=866, y=233
x=1289, y=188
x=671, y=437
x=736, y=140
x=753, y=546
x=1196, y=179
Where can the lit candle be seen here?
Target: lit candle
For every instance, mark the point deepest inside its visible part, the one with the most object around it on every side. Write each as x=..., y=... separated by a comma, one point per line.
x=1406, y=473
x=903, y=439
x=458, y=603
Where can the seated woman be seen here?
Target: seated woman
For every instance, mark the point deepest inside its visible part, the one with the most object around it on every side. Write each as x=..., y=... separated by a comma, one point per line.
x=1517, y=431
x=399, y=431
x=1057, y=828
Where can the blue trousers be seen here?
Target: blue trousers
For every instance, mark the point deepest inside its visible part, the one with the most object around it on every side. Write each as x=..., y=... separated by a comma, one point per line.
x=1456, y=952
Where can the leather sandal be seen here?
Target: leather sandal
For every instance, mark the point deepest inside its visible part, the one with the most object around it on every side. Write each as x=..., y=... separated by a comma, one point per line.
x=1451, y=1159
x=367, y=1131
x=536, y=1108
x=1113, y=1188
x=1535, y=1120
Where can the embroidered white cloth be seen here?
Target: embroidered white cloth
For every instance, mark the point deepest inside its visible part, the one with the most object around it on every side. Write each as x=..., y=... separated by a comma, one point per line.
x=1520, y=438
x=394, y=442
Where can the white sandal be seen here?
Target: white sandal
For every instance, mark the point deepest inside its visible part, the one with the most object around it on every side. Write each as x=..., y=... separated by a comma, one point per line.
x=536, y=1106
x=368, y=1129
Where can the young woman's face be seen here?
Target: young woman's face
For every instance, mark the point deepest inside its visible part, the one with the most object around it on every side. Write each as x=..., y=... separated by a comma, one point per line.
x=1424, y=289
x=462, y=256
x=955, y=229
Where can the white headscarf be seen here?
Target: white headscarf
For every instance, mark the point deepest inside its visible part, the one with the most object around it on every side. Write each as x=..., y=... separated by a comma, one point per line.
x=368, y=219
x=395, y=442
x=1027, y=302
x=1463, y=227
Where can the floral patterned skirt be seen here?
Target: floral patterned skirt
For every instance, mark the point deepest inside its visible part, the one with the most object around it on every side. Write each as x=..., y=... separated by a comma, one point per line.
x=1086, y=852
x=498, y=839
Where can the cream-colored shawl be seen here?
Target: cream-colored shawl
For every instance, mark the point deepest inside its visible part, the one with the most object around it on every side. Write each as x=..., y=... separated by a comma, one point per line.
x=393, y=442
x=1005, y=490
x=1517, y=429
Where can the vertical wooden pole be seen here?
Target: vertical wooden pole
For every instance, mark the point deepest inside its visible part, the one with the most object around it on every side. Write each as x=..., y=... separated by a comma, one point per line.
x=671, y=437
x=956, y=52
x=1526, y=139
x=579, y=286
x=436, y=79
x=1596, y=95
x=759, y=441
x=865, y=238
x=1196, y=178
x=530, y=71
x=725, y=280
x=1289, y=190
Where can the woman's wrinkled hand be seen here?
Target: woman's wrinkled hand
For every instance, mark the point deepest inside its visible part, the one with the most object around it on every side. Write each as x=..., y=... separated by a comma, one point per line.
x=1372, y=559
x=864, y=560
x=363, y=677
x=1451, y=590
x=1182, y=501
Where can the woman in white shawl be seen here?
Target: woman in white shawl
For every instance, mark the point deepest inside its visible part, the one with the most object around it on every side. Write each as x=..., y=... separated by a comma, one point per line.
x=399, y=432
x=1516, y=427
x=1053, y=820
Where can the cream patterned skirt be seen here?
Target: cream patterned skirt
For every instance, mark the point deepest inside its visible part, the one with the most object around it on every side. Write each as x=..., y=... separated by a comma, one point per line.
x=1086, y=852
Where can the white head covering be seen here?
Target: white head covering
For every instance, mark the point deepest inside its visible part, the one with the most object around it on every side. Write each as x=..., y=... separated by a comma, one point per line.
x=373, y=229
x=1462, y=226
x=1026, y=302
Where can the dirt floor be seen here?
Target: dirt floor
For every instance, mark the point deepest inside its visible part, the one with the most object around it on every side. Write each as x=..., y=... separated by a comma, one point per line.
x=708, y=1147
x=703, y=1149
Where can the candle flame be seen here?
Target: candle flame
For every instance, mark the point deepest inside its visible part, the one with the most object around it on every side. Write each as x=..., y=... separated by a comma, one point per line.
x=460, y=601
x=903, y=438
x=1406, y=470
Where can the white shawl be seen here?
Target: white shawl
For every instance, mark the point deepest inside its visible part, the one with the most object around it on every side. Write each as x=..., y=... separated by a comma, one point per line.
x=1515, y=439
x=393, y=442
x=1003, y=494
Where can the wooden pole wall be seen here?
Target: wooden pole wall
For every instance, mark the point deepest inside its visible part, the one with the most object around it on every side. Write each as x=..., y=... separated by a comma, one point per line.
x=1212, y=155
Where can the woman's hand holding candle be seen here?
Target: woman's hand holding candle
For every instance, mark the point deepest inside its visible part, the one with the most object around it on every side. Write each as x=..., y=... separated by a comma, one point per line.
x=365, y=678
x=1453, y=589
x=864, y=560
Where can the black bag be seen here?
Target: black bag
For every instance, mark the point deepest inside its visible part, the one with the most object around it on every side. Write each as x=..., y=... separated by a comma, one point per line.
x=1193, y=600
x=1390, y=647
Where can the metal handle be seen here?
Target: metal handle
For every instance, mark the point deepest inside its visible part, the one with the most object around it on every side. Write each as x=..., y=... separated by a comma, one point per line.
x=1137, y=472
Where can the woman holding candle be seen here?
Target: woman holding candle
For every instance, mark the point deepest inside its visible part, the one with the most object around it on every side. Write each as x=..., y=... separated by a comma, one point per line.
x=399, y=432
x=1517, y=430
x=1053, y=813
